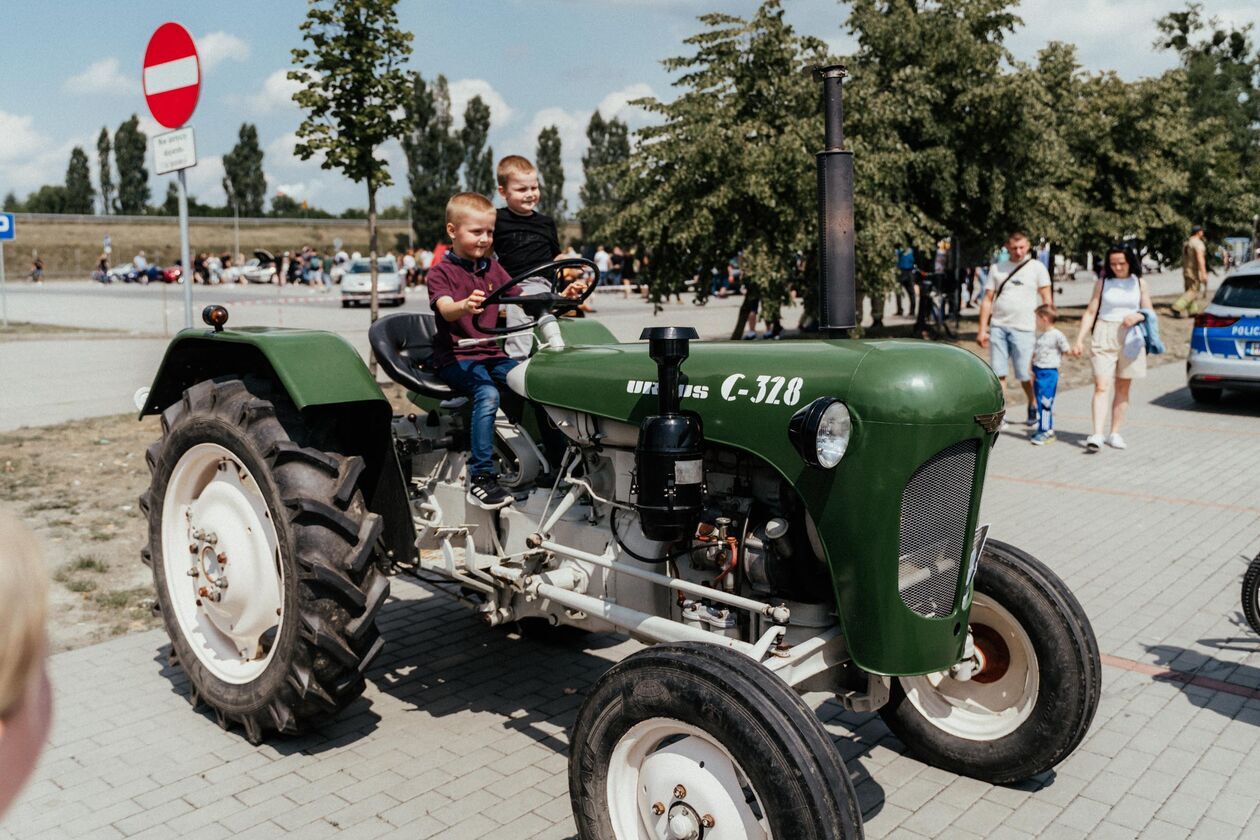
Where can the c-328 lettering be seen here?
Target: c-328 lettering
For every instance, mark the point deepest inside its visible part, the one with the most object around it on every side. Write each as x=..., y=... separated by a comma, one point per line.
x=766, y=389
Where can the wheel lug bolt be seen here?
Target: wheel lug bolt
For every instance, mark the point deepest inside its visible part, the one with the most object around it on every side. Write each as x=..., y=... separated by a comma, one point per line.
x=680, y=792
x=221, y=557
x=707, y=821
x=192, y=548
x=658, y=808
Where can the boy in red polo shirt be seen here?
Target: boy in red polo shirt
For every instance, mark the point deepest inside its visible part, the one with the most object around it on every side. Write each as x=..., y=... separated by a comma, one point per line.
x=457, y=287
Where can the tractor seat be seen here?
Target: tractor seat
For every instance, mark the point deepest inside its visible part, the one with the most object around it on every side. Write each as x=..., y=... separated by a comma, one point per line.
x=403, y=344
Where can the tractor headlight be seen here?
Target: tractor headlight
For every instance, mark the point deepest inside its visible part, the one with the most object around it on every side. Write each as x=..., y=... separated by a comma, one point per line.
x=820, y=432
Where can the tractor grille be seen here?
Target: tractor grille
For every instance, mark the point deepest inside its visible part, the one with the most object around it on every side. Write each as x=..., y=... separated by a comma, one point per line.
x=934, y=509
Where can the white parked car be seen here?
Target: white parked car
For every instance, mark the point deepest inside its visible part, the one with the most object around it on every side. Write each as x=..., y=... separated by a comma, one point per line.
x=256, y=271
x=1225, y=343
x=356, y=283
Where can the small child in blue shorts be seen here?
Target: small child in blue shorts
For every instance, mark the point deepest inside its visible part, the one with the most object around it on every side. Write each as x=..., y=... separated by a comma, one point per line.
x=1048, y=353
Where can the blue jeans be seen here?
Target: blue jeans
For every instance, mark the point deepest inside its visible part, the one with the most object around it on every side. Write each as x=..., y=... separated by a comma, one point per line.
x=479, y=379
x=1011, y=346
x=1045, y=383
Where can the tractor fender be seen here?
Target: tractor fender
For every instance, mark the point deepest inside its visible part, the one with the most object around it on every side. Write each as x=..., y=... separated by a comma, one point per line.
x=326, y=380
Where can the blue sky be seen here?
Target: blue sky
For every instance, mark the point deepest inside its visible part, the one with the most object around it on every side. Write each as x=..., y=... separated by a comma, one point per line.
x=70, y=67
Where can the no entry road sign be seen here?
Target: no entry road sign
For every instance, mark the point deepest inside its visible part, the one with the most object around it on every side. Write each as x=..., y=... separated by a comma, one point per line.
x=172, y=75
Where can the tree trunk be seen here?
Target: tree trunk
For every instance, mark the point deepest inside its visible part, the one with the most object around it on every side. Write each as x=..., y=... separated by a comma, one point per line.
x=372, y=262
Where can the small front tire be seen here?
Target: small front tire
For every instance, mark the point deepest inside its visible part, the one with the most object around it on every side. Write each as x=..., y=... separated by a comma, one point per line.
x=1037, y=688
x=680, y=739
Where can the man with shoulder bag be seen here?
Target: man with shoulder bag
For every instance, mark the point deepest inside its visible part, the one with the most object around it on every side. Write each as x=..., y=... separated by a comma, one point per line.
x=1008, y=324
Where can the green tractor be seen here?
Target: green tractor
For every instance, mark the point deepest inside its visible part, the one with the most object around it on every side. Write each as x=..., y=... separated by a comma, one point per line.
x=771, y=519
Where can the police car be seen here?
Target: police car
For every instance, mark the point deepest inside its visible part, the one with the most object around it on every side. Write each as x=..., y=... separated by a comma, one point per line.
x=1225, y=343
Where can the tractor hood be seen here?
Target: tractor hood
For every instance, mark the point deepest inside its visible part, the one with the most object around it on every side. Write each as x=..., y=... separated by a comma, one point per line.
x=747, y=392
x=912, y=404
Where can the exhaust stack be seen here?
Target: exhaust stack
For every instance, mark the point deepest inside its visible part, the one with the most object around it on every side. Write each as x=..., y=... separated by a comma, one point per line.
x=838, y=293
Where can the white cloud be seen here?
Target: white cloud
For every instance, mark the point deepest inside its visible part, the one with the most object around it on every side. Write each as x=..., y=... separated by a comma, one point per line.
x=276, y=93
x=104, y=76
x=214, y=48
x=617, y=104
x=205, y=180
x=465, y=89
x=20, y=137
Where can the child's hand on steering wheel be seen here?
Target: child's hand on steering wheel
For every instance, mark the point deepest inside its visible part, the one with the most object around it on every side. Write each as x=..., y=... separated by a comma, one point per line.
x=574, y=289
x=472, y=303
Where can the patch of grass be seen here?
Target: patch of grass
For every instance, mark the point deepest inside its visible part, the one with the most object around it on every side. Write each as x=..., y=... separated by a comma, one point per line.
x=87, y=563
x=56, y=503
x=121, y=599
x=100, y=536
x=80, y=585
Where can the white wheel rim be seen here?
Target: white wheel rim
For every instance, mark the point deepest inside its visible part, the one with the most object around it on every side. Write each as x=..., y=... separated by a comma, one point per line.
x=214, y=507
x=661, y=757
x=977, y=710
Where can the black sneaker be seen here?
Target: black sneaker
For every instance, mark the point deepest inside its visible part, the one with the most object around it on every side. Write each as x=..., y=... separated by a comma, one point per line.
x=1032, y=417
x=485, y=493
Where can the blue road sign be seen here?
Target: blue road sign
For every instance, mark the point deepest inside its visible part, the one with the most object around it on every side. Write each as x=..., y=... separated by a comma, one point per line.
x=7, y=227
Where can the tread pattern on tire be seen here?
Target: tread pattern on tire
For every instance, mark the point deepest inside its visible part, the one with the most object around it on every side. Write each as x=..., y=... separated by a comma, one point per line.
x=333, y=538
x=900, y=715
x=764, y=696
x=1251, y=594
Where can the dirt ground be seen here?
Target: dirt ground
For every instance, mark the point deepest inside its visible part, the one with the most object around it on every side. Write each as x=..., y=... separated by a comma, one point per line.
x=76, y=485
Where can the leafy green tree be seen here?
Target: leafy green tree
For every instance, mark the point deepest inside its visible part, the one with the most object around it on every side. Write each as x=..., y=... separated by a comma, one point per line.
x=478, y=157
x=1217, y=90
x=551, y=174
x=12, y=204
x=354, y=92
x=50, y=198
x=130, y=144
x=286, y=207
x=434, y=155
x=243, y=179
x=608, y=150
x=107, y=178
x=728, y=166
x=79, y=192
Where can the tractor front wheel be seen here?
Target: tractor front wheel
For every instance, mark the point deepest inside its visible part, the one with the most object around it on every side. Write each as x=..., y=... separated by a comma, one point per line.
x=696, y=740
x=261, y=547
x=1026, y=699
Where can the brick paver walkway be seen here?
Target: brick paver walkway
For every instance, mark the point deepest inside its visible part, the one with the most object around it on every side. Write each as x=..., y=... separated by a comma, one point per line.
x=463, y=730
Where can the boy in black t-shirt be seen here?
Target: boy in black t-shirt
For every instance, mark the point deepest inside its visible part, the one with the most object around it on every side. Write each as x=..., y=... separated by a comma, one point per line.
x=523, y=237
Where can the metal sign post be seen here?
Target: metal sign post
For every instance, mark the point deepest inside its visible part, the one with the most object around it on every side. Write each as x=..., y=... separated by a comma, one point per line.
x=7, y=230
x=176, y=151
x=185, y=273
x=172, y=85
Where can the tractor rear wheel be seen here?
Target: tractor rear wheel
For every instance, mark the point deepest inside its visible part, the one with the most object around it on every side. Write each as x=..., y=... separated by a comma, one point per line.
x=696, y=740
x=262, y=553
x=1034, y=689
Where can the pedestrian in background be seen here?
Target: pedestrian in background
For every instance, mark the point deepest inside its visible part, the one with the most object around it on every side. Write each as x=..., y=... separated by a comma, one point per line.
x=1014, y=289
x=25, y=694
x=1048, y=353
x=1193, y=273
x=1117, y=351
x=905, y=276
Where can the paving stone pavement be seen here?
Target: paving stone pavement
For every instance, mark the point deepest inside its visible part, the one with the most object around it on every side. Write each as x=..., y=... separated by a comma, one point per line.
x=463, y=729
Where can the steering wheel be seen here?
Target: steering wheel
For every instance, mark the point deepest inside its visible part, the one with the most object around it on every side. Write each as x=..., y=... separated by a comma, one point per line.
x=553, y=300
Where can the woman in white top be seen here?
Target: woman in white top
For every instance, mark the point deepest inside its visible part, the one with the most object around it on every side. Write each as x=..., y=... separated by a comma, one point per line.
x=1117, y=351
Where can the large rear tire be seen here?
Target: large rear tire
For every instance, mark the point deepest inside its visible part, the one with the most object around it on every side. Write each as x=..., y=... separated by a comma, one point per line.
x=244, y=491
x=693, y=739
x=1036, y=691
